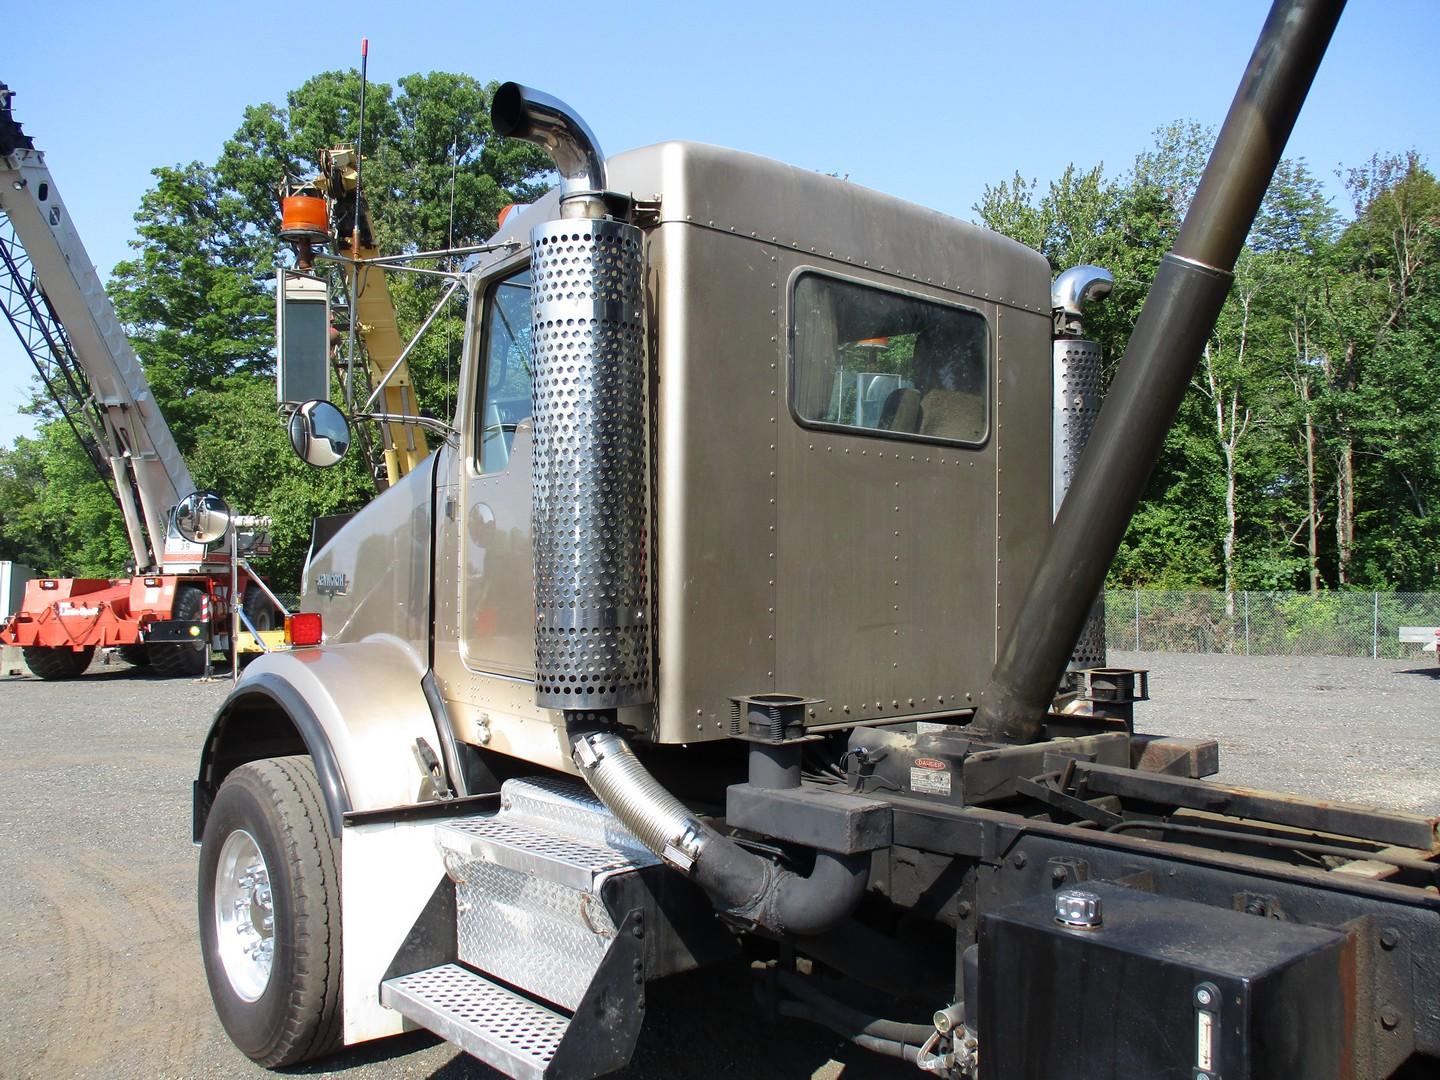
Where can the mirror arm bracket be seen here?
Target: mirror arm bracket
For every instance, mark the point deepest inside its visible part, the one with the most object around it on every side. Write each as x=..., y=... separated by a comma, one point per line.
x=428, y=423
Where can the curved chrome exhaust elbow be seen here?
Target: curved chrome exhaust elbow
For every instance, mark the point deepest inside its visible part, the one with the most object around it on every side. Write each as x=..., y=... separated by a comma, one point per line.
x=518, y=112
x=1079, y=285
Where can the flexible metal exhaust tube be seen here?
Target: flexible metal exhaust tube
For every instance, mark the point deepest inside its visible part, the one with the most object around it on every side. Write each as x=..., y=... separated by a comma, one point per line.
x=660, y=821
x=518, y=112
x=740, y=882
x=1178, y=316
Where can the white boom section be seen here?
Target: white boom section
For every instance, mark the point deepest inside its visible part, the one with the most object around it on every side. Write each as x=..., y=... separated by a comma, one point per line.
x=138, y=441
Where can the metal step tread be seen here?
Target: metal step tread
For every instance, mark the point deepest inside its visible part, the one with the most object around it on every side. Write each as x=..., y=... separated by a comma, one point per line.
x=512, y=832
x=516, y=845
x=567, y=808
x=483, y=1018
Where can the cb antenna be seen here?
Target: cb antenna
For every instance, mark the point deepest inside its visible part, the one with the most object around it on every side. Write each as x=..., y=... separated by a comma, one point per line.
x=355, y=234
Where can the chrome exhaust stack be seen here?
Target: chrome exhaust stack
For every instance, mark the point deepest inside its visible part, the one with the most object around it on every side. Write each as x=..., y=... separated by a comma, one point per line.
x=1075, y=364
x=589, y=500
x=1074, y=288
x=518, y=112
x=590, y=509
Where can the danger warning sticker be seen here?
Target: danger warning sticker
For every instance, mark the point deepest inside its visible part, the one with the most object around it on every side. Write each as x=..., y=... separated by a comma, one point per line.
x=929, y=777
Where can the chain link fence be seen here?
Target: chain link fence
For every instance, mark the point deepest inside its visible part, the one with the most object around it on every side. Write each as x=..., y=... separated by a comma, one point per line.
x=1268, y=623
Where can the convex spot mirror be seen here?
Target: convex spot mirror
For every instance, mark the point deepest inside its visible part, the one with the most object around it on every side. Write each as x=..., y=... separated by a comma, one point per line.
x=319, y=433
x=202, y=517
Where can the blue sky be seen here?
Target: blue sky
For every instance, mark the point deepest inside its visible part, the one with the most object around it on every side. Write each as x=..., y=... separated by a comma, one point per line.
x=928, y=101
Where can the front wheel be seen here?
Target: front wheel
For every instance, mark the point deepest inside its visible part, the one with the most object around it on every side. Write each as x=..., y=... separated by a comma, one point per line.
x=270, y=913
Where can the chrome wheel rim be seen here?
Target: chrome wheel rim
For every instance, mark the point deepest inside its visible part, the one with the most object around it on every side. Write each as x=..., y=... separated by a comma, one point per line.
x=244, y=916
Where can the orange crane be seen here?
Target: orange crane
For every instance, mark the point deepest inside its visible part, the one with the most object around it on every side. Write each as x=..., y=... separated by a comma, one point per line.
x=177, y=603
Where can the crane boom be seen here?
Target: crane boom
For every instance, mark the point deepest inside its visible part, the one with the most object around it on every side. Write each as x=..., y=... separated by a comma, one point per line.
x=403, y=446
x=183, y=599
x=55, y=301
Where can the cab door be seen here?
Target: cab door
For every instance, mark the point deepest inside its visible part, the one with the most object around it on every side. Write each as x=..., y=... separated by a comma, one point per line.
x=497, y=602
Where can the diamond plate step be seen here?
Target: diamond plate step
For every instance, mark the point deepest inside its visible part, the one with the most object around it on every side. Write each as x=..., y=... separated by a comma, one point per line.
x=486, y=1020
x=531, y=887
x=555, y=828
x=515, y=844
x=569, y=807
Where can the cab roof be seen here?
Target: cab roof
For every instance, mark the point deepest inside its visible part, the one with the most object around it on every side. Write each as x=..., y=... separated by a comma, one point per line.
x=751, y=196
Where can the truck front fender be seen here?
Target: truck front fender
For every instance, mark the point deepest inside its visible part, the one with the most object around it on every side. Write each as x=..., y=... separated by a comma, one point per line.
x=356, y=709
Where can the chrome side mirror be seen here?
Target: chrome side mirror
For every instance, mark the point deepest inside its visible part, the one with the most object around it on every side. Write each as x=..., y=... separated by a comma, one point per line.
x=202, y=517
x=319, y=433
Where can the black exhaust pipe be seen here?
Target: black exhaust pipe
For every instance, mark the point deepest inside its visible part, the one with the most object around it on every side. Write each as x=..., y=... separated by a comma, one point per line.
x=1178, y=316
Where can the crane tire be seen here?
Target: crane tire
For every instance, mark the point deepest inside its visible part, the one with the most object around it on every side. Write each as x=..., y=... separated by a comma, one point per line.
x=57, y=662
x=135, y=655
x=259, y=610
x=262, y=614
x=183, y=659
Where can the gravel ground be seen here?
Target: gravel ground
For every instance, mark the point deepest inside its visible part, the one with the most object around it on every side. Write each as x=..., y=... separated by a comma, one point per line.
x=1338, y=728
x=100, y=973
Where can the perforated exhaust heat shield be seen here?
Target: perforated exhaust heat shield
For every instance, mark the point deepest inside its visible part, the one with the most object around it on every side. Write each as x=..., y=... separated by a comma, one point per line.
x=1076, y=364
x=589, y=529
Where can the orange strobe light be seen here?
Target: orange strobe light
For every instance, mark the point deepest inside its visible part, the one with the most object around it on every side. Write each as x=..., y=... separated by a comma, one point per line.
x=304, y=217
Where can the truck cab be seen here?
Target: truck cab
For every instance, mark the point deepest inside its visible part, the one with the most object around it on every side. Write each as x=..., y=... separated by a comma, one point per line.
x=847, y=425
x=715, y=630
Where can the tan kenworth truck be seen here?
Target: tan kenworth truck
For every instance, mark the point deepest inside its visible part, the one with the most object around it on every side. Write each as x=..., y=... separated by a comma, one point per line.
x=729, y=623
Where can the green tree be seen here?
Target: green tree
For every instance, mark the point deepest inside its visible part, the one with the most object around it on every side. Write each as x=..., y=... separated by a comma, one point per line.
x=193, y=298
x=1381, y=403
x=1316, y=399
x=435, y=175
x=197, y=299
x=56, y=514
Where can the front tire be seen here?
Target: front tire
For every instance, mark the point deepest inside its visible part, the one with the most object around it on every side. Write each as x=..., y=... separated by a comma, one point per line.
x=58, y=662
x=269, y=895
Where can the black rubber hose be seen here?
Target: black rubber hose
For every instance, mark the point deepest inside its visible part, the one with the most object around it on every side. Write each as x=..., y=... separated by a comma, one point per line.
x=849, y=1021
x=753, y=887
x=811, y=905
x=741, y=882
x=873, y=1043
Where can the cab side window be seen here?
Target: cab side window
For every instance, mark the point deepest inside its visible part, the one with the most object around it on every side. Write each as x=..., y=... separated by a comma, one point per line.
x=504, y=397
x=886, y=363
